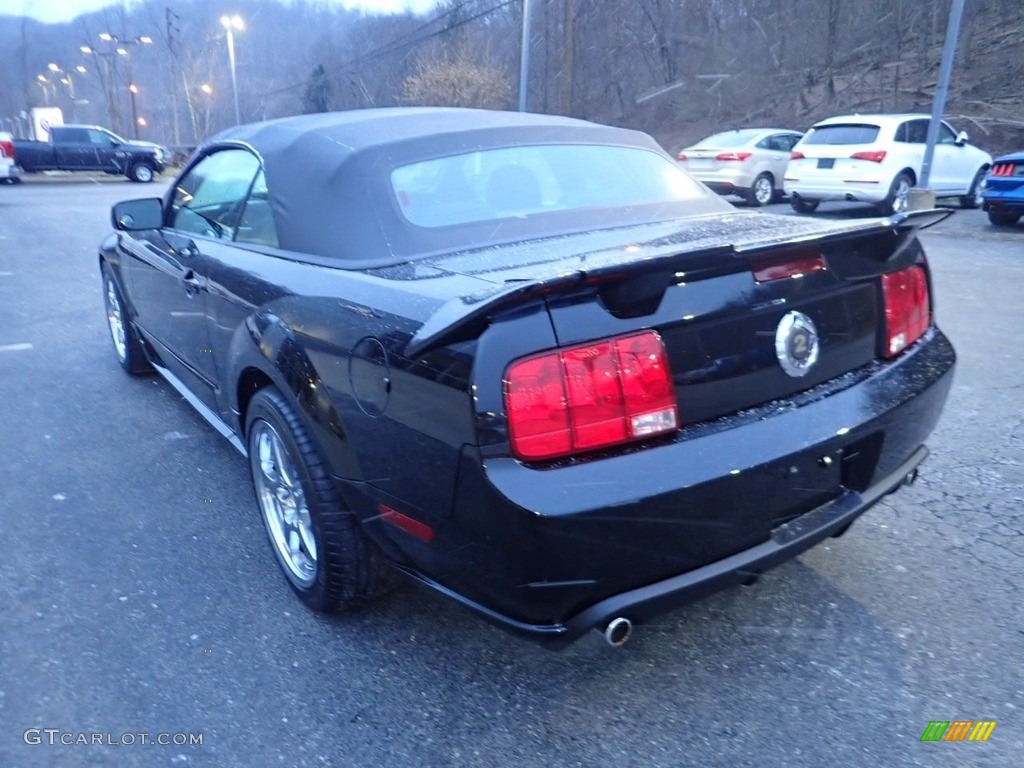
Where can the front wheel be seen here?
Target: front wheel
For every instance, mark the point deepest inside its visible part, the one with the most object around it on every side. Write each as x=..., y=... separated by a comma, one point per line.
x=141, y=172
x=127, y=344
x=975, y=195
x=802, y=204
x=899, y=196
x=327, y=560
x=1002, y=218
x=762, y=191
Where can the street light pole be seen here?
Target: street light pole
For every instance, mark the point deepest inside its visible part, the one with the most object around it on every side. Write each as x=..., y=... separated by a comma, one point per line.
x=65, y=76
x=132, y=90
x=524, y=58
x=123, y=49
x=231, y=23
x=956, y=12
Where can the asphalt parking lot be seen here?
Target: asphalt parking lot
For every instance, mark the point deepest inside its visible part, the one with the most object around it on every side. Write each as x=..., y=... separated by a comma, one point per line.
x=138, y=593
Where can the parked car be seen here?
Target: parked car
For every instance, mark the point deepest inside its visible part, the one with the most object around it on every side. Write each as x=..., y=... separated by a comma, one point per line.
x=9, y=171
x=749, y=162
x=1004, y=190
x=877, y=159
x=526, y=360
x=91, y=148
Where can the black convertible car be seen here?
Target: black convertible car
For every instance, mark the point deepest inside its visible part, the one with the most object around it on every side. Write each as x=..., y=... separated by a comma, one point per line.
x=526, y=360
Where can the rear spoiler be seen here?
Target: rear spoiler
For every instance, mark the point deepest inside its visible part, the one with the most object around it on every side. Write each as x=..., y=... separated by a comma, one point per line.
x=462, y=315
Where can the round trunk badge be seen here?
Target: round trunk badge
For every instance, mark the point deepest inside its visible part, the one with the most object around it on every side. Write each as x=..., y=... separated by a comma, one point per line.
x=796, y=343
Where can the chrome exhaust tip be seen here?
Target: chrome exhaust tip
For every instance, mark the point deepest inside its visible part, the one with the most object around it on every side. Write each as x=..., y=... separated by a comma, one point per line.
x=618, y=632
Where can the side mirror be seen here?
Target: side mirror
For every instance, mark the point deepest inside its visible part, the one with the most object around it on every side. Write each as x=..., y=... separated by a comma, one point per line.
x=961, y=138
x=137, y=215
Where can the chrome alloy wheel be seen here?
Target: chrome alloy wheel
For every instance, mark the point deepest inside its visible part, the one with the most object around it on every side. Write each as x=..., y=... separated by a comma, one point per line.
x=764, y=190
x=283, y=503
x=901, y=195
x=116, y=321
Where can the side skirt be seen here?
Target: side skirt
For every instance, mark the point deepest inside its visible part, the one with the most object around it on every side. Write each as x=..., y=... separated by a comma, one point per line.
x=214, y=420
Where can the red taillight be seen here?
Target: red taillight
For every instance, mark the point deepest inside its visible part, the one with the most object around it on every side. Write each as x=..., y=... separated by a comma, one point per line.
x=7, y=149
x=796, y=155
x=1004, y=169
x=681, y=156
x=788, y=266
x=874, y=157
x=907, y=315
x=741, y=156
x=590, y=396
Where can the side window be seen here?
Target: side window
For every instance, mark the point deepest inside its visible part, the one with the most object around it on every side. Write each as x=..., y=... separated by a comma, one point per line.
x=791, y=141
x=99, y=138
x=209, y=199
x=917, y=131
x=257, y=223
x=74, y=136
x=946, y=135
x=901, y=133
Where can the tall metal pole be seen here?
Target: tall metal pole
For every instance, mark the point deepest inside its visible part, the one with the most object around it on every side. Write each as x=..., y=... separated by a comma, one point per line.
x=524, y=57
x=132, y=89
x=135, y=112
x=234, y=81
x=941, y=89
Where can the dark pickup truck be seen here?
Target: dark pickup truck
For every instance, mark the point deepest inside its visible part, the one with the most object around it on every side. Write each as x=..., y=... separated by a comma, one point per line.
x=91, y=148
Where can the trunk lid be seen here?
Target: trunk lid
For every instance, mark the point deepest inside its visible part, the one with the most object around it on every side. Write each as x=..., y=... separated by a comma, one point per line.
x=694, y=282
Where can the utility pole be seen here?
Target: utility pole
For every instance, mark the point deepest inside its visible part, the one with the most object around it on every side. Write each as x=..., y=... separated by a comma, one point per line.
x=524, y=58
x=567, y=57
x=171, y=29
x=956, y=13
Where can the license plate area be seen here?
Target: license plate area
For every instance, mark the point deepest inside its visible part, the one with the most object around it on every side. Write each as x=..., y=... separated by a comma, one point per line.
x=826, y=162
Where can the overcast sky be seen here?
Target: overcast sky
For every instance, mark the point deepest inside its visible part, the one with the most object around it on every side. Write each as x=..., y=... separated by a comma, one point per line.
x=65, y=10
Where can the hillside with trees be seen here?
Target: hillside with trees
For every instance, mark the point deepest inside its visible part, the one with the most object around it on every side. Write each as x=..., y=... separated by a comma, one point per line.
x=676, y=68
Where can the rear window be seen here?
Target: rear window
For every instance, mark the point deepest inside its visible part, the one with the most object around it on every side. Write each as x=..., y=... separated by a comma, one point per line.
x=516, y=182
x=728, y=139
x=842, y=133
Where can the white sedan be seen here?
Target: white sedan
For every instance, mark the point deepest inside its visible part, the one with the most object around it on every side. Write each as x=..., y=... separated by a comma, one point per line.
x=877, y=159
x=748, y=162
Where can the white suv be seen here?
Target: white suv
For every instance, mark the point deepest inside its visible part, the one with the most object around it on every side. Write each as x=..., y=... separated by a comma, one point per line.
x=877, y=159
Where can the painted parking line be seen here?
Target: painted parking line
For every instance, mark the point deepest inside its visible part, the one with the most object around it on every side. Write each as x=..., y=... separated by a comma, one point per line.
x=14, y=347
x=6, y=274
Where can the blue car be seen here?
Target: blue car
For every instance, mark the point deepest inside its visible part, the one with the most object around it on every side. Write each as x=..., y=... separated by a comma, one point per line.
x=1004, y=190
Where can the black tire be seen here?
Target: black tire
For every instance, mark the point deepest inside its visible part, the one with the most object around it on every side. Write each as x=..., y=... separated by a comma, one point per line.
x=1003, y=218
x=972, y=199
x=346, y=570
x=802, y=204
x=761, y=192
x=127, y=345
x=897, y=199
x=141, y=172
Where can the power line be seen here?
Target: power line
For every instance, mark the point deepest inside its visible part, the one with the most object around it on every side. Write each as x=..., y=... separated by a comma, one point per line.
x=395, y=45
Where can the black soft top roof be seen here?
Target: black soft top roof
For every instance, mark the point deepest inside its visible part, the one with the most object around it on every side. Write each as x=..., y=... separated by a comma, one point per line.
x=328, y=175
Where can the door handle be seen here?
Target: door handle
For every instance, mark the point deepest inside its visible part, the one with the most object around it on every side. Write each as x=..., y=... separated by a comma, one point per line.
x=193, y=283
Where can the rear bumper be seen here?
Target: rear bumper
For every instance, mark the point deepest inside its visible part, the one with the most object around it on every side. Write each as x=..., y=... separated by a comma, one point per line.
x=1010, y=201
x=853, y=190
x=553, y=553
x=786, y=542
x=9, y=171
x=725, y=182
